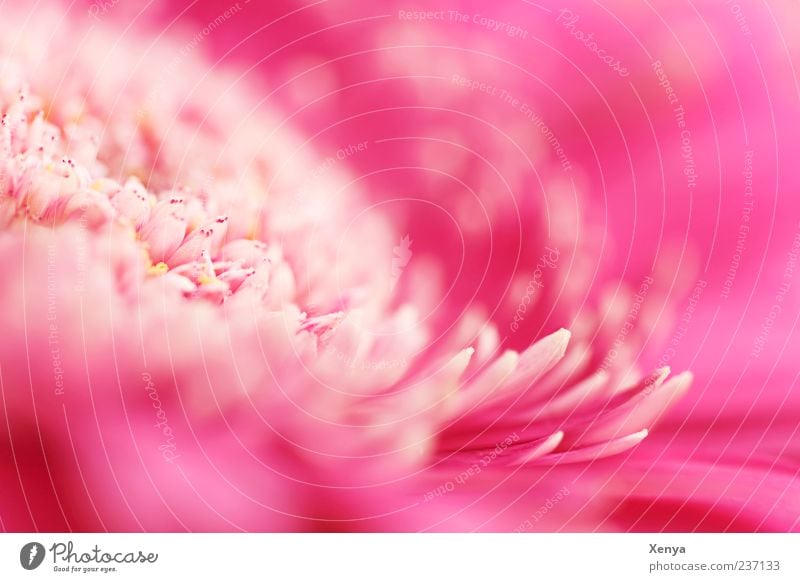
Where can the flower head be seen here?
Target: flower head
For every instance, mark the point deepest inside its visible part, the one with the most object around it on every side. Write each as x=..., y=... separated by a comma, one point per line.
x=215, y=342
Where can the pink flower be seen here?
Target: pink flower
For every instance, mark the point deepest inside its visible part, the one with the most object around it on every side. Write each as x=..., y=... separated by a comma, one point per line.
x=218, y=326
x=452, y=90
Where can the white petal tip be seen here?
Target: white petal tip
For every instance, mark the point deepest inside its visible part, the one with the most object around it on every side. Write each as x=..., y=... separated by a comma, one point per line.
x=563, y=334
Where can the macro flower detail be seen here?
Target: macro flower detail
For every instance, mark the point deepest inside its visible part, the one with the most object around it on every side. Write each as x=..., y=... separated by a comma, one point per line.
x=213, y=326
x=438, y=406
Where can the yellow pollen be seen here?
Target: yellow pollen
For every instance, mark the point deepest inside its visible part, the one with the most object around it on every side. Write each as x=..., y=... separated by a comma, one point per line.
x=206, y=279
x=158, y=269
x=252, y=232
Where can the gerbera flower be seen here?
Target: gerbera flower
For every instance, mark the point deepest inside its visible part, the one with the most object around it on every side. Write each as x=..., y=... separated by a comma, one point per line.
x=200, y=337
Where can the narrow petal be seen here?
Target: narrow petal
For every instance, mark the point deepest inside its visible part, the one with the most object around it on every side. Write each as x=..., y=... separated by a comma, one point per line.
x=606, y=449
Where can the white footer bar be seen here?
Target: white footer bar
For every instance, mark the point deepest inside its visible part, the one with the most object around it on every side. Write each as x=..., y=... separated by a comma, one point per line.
x=400, y=557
